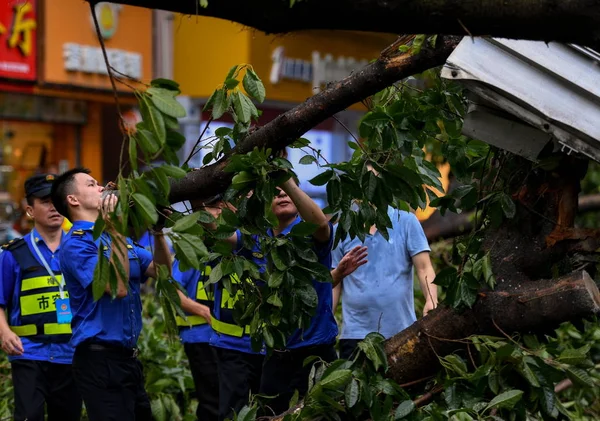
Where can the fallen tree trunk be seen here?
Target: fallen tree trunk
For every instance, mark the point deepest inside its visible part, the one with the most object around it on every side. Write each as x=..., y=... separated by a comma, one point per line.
x=544, y=20
x=389, y=68
x=438, y=227
x=531, y=306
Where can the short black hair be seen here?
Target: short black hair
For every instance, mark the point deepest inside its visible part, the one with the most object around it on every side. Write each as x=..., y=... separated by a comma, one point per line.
x=62, y=187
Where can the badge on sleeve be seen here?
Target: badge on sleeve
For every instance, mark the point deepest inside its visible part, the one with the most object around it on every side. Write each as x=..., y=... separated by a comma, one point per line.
x=63, y=311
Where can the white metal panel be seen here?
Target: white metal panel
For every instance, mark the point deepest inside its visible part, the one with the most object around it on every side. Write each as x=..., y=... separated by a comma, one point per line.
x=554, y=88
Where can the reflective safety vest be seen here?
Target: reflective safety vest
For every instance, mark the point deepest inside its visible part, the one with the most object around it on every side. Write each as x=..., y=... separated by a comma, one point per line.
x=225, y=323
x=36, y=298
x=204, y=295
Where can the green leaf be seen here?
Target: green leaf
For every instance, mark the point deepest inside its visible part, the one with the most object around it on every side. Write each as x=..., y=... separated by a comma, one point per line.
x=166, y=84
x=275, y=300
x=307, y=160
x=231, y=83
x=580, y=377
x=159, y=412
x=505, y=400
x=372, y=346
x=572, y=356
x=242, y=179
x=269, y=341
x=186, y=223
x=133, y=153
x=508, y=206
x=334, y=193
x=352, y=393
x=98, y=227
x=254, y=86
x=145, y=208
x=303, y=229
x=101, y=274
x=277, y=260
x=336, y=379
x=153, y=118
x=247, y=414
x=242, y=110
x=322, y=179
x=147, y=140
x=275, y=279
x=232, y=74
x=165, y=101
x=404, y=409
x=488, y=275
x=371, y=186
x=216, y=274
x=173, y=171
x=307, y=294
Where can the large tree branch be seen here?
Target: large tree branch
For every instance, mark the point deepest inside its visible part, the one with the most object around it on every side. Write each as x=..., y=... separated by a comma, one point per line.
x=289, y=126
x=546, y=20
x=451, y=225
x=531, y=306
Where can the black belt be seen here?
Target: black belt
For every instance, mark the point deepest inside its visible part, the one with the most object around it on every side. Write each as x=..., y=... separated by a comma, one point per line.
x=113, y=349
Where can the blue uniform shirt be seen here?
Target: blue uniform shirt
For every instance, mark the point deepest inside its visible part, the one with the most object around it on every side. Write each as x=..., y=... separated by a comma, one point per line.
x=10, y=284
x=379, y=296
x=116, y=322
x=189, y=281
x=323, y=328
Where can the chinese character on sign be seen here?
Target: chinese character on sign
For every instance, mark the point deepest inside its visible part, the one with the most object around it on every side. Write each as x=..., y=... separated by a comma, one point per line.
x=133, y=65
x=91, y=59
x=72, y=56
x=22, y=29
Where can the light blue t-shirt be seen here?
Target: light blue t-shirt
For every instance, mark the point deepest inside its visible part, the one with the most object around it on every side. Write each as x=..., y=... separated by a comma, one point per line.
x=379, y=296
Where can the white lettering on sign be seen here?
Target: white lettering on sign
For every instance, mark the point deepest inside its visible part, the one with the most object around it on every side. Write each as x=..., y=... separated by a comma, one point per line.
x=319, y=71
x=84, y=58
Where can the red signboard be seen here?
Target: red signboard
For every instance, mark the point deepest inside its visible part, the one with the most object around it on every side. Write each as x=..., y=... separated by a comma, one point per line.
x=18, y=44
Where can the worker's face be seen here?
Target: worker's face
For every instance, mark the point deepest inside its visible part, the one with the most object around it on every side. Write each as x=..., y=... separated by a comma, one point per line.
x=282, y=205
x=44, y=214
x=87, y=193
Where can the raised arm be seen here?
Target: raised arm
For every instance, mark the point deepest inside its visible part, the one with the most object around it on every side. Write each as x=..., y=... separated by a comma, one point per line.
x=309, y=210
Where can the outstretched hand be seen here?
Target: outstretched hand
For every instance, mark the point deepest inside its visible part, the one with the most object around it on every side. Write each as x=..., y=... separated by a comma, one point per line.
x=352, y=260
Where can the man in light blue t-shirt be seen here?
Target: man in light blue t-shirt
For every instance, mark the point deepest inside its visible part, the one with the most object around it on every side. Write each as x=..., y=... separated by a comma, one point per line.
x=378, y=295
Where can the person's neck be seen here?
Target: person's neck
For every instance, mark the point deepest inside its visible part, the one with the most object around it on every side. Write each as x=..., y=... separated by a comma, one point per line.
x=283, y=224
x=51, y=236
x=84, y=216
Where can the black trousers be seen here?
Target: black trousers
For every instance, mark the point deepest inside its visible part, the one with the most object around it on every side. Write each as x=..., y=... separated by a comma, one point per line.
x=111, y=383
x=40, y=382
x=239, y=375
x=347, y=347
x=284, y=373
x=203, y=364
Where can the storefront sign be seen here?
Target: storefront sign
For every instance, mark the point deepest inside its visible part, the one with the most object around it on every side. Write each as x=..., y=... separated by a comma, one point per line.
x=18, y=47
x=72, y=51
x=83, y=58
x=318, y=72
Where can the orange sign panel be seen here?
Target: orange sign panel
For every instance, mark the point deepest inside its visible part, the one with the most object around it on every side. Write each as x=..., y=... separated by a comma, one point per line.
x=72, y=50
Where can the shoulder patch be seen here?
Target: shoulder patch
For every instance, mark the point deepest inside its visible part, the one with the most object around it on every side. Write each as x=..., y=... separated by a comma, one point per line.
x=78, y=232
x=258, y=255
x=13, y=244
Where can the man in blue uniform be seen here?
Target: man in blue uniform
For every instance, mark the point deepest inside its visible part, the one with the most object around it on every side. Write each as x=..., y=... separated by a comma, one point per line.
x=105, y=332
x=239, y=366
x=35, y=337
x=195, y=333
x=284, y=371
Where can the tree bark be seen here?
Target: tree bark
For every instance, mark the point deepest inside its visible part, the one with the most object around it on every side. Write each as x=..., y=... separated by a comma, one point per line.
x=289, y=126
x=438, y=227
x=566, y=21
x=532, y=306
